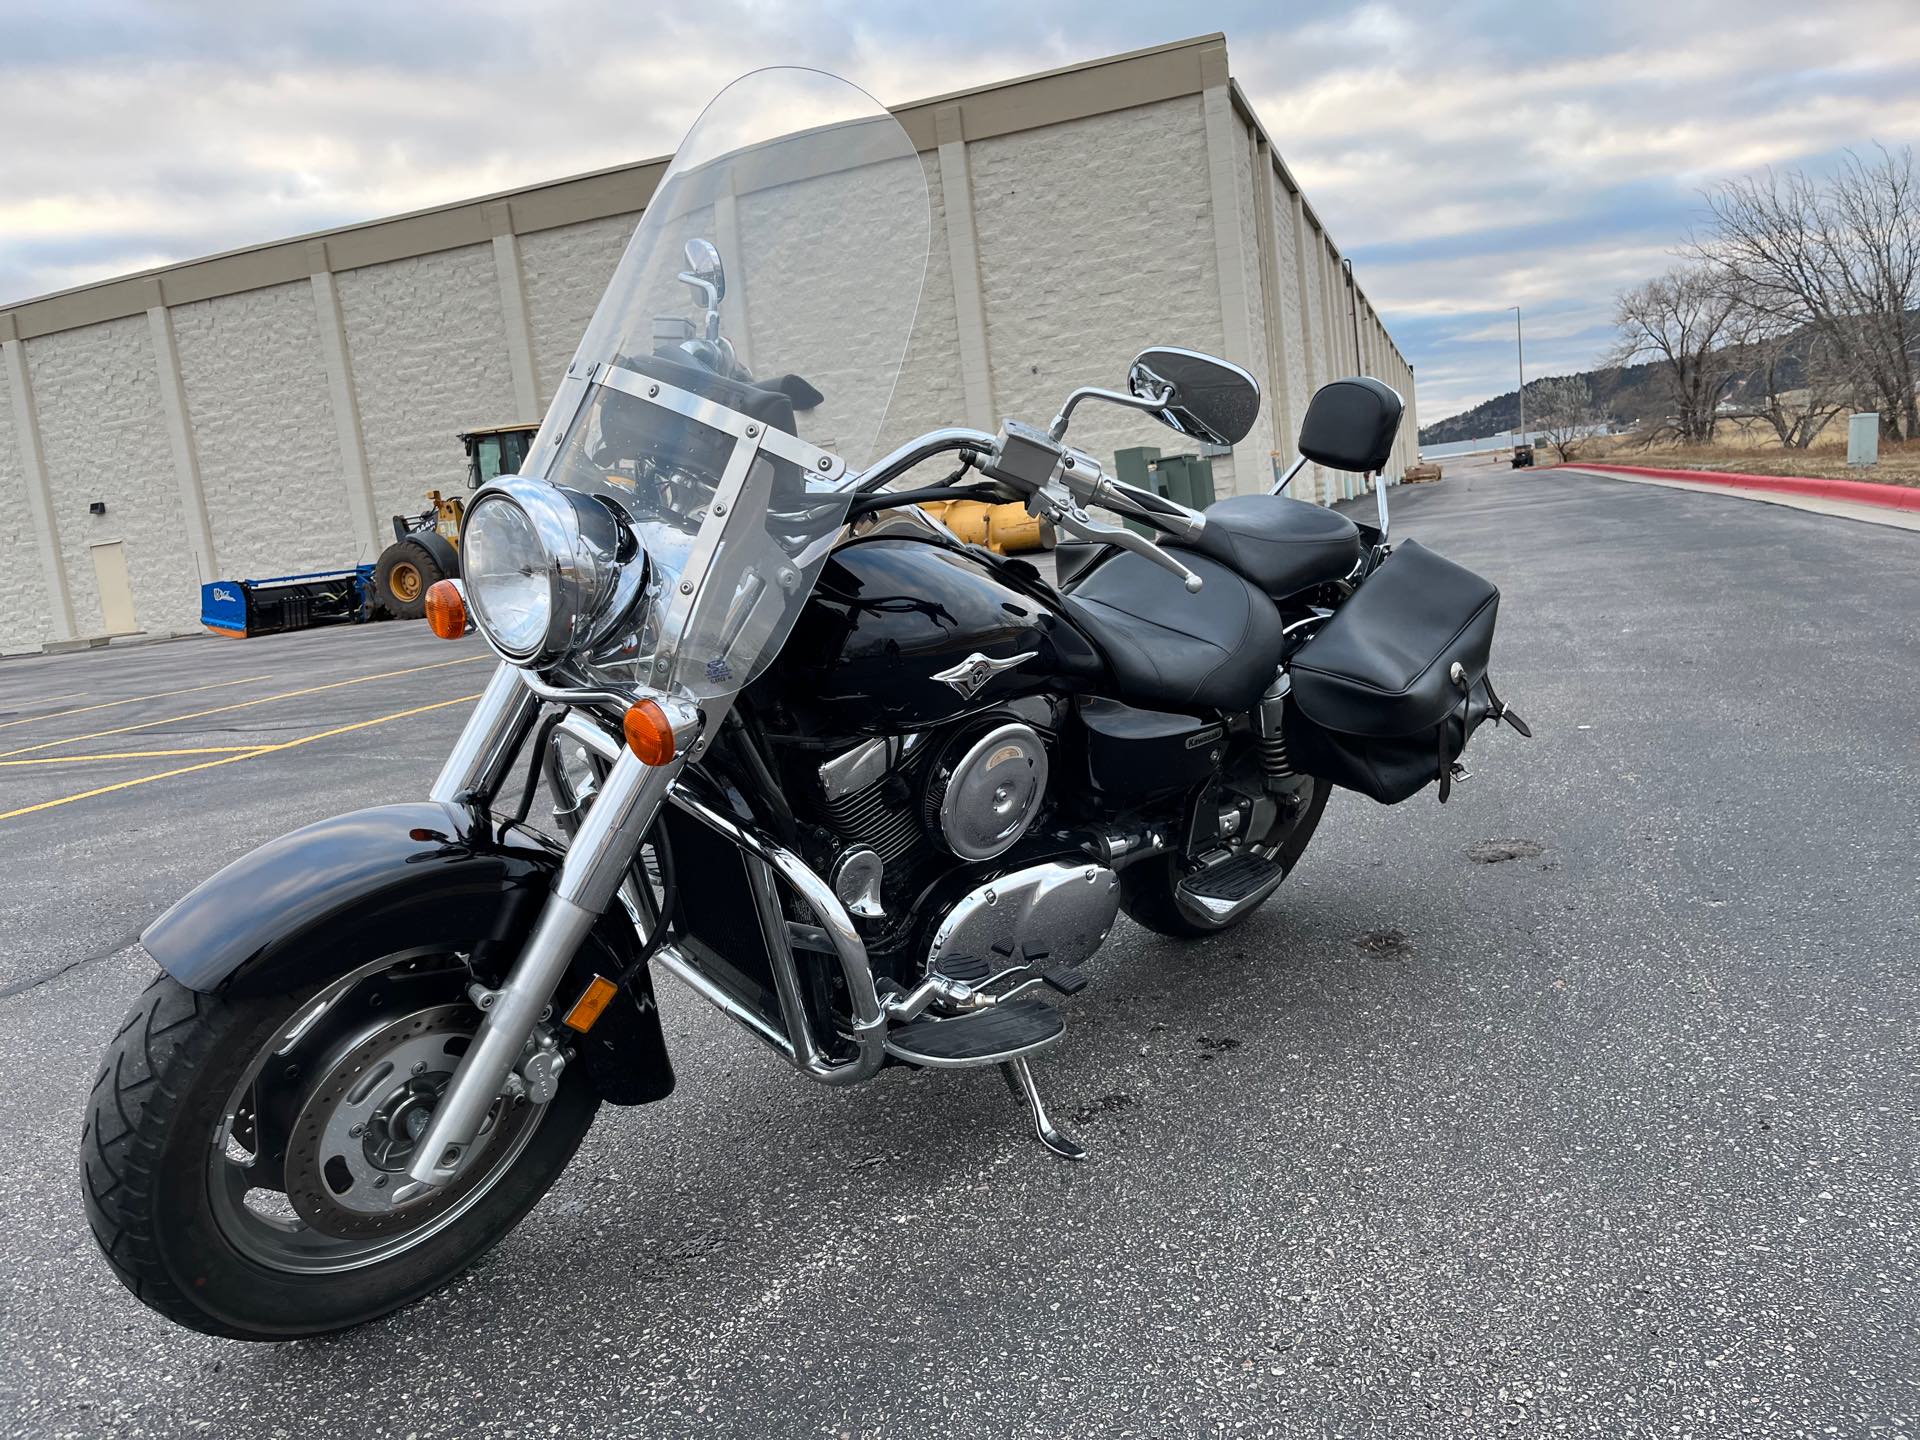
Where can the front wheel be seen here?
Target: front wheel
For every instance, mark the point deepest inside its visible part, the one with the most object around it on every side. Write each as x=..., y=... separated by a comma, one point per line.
x=239, y=1156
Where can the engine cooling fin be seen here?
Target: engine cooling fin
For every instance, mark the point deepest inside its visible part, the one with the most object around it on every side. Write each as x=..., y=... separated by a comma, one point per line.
x=867, y=817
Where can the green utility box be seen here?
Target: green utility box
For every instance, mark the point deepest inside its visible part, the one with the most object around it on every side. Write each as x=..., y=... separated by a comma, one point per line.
x=1185, y=479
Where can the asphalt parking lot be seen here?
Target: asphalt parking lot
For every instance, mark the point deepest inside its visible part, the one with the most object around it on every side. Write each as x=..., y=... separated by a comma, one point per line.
x=1609, y=1128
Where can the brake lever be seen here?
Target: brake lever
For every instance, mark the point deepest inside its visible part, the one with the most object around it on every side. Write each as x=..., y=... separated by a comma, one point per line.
x=1071, y=518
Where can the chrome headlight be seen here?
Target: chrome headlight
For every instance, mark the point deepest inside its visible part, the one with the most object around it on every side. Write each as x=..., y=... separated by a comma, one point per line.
x=541, y=565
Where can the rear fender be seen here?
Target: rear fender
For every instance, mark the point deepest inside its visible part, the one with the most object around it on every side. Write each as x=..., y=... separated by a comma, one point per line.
x=320, y=902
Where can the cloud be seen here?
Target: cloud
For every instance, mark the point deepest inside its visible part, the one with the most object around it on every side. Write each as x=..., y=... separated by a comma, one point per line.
x=1547, y=156
x=1469, y=156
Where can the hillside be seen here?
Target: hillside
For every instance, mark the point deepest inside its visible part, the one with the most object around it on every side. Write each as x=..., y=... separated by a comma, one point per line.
x=1623, y=394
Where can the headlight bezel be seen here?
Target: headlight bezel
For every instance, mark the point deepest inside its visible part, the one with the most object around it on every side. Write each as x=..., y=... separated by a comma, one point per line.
x=582, y=541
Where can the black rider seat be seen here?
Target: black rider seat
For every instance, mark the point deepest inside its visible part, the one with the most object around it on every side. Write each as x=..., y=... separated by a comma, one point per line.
x=1172, y=650
x=1283, y=546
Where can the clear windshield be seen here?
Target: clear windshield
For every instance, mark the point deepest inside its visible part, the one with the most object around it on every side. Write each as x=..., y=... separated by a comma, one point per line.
x=739, y=367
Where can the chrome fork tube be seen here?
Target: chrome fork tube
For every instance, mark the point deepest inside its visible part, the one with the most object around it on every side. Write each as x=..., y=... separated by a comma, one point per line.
x=595, y=864
x=490, y=740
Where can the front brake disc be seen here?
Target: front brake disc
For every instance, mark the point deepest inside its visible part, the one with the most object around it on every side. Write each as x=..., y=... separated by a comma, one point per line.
x=356, y=1131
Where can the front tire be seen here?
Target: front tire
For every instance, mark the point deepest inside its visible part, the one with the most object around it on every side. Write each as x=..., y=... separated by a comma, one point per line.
x=161, y=1108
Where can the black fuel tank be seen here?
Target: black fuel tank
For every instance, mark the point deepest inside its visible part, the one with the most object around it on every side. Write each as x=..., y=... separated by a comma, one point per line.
x=891, y=612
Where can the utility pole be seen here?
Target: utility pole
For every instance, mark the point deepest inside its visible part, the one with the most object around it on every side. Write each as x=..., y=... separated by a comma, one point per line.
x=1520, y=355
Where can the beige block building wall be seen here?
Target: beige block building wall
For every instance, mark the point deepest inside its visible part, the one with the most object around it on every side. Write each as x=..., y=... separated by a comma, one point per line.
x=264, y=412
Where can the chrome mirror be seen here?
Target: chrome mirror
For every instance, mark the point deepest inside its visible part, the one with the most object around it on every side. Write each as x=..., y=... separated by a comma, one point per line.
x=704, y=274
x=1199, y=395
x=707, y=278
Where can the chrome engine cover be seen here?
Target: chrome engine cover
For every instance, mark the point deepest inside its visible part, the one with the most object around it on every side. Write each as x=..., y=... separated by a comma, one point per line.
x=983, y=802
x=1059, y=912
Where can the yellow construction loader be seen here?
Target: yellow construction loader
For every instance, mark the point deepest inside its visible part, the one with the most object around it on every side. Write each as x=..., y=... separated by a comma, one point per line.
x=426, y=546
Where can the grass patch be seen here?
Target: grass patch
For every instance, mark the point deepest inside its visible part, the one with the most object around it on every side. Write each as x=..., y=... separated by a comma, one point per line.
x=1753, y=450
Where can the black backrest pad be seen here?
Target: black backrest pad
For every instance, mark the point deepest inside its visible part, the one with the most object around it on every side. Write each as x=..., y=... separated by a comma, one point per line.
x=1381, y=665
x=769, y=405
x=1351, y=423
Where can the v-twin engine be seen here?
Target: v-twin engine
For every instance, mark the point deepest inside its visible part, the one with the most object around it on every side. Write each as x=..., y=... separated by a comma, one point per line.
x=975, y=790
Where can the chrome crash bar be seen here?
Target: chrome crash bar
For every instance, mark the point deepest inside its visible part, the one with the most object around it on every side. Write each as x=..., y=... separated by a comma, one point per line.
x=768, y=864
x=599, y=865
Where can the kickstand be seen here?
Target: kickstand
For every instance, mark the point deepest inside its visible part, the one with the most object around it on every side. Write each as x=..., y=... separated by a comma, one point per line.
x=1020, y=1080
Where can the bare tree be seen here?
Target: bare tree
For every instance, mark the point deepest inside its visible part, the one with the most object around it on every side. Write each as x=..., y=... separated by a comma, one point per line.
x=1565, y=414
x=1686, y=323
x=1792, y=381
x=1841, y=256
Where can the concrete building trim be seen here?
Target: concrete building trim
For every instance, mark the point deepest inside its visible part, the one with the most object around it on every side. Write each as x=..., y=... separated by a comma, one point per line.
x=180, y=441
x=1051, y=97
x=355, y=478
x=1222, y=172
x=1286, y=427
x=513, y=312
x=1143, y=184
x=33, y=468
x=1307, y=327
x=1334, y=345
x=963, y=258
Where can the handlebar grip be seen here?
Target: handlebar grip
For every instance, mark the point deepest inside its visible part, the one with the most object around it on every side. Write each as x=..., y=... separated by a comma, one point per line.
x=1089, y=485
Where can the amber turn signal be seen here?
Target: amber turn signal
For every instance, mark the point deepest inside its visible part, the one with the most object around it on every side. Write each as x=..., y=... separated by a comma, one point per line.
x=593, y=1000
x=446, y=610
x=649, y=732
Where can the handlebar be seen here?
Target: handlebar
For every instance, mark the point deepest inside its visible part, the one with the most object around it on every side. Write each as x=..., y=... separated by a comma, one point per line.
x=1086, y=482
x=1058, y=482
x=896, y=463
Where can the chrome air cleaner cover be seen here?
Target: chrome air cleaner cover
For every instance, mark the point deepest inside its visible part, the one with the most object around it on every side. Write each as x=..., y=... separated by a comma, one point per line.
x=984, y=794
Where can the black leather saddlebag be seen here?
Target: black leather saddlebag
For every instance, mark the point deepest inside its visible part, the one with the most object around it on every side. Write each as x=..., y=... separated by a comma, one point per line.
x=1387, y=694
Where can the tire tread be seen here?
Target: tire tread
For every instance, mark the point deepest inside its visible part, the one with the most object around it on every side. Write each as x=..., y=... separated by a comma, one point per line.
x=160, y=1034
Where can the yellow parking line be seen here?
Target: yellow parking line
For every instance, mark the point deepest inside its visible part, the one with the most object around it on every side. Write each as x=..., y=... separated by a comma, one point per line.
x=50, y=699
x=243, y=705
x=128, y=784
x=244, y=755
x=137, y=754
x=130, y=700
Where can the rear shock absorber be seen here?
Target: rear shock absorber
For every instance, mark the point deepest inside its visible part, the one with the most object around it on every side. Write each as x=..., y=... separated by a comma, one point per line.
x=1269, y=722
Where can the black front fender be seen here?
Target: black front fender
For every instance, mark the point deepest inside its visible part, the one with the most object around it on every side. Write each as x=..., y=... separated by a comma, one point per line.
x=317, y=903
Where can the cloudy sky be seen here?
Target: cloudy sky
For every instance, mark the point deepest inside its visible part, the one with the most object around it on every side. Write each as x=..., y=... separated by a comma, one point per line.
x=1469, y=154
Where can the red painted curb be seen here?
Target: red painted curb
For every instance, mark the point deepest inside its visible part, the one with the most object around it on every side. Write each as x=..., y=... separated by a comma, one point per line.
x=1866, y=492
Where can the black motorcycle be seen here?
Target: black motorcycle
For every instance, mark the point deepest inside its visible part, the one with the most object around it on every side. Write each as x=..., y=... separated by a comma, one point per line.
x=874, y=793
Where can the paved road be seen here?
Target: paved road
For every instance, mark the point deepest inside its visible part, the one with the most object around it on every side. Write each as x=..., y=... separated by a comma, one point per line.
x=1616, y=1138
